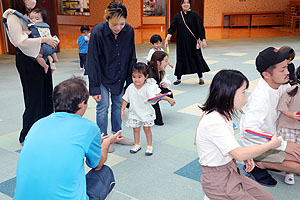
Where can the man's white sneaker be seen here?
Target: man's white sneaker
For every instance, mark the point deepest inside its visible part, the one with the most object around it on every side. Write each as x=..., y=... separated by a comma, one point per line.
x=289, y=179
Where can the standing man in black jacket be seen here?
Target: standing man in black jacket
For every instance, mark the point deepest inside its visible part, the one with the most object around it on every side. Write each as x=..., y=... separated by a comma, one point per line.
x=111, y=54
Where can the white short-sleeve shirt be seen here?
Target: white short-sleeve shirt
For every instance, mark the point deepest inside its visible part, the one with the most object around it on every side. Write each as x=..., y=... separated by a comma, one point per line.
x=151, y=52
x=261, y=114
x=139, y=109
x=215, y=139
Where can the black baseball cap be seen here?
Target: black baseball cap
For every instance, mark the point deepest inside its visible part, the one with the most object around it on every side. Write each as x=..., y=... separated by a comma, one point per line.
x=268, y=57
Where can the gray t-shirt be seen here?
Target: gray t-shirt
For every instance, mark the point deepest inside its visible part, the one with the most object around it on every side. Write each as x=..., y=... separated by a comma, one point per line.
x=139, y=109
x=288, y=103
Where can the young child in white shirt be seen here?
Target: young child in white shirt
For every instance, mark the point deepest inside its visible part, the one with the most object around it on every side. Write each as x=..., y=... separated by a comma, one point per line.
x=217, y=147
x=289, y=120
x=156, y=42
x=140, y=112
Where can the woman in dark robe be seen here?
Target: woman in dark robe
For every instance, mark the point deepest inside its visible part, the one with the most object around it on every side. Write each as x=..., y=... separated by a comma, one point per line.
x=188, y=50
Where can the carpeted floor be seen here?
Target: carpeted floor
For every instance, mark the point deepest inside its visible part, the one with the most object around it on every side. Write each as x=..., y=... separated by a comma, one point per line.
x=173, y=171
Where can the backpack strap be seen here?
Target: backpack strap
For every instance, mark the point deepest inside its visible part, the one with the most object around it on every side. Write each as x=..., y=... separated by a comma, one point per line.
x=5, y=23
x=18, y=14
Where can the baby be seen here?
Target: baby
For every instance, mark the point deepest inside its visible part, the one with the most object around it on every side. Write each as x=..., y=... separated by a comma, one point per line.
x=41, y=29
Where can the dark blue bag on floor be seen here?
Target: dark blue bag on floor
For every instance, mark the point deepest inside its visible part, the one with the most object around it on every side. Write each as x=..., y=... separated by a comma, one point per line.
x=99, y=183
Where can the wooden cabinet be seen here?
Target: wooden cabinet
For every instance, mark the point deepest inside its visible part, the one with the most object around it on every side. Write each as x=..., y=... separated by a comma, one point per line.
x=272, y=18
x=239, y=20
x=267, y=20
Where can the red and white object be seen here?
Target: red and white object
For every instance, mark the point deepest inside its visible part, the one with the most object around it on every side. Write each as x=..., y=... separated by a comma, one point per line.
x=158, y=97
x=260, y=134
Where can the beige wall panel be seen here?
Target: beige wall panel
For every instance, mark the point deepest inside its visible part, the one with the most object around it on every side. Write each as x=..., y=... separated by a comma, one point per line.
x=213, y=9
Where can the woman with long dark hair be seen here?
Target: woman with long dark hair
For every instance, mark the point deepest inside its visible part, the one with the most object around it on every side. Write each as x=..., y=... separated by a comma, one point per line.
x=190, y=40
x=157, y=65
x=217, y=147
x=37, y=85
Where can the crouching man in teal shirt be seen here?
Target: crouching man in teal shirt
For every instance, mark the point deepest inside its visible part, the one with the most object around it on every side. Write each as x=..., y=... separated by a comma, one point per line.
x=51, y=163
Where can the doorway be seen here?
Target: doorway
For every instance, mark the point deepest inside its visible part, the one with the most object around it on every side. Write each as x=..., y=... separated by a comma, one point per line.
x=175, y=7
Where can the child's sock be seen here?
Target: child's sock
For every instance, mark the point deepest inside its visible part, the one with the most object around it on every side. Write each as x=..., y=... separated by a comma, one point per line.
x=149, y=150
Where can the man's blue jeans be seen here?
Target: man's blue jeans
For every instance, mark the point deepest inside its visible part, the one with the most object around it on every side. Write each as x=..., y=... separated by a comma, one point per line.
x=102, y=111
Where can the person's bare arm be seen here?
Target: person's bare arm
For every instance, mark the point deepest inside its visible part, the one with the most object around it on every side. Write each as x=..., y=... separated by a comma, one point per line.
x=171, y=65
x=170, y=100
x=104, y=147
x=167, y=40
x=27, y=32
x=292, y=115
x=249, y=165
x=203, y=43
x=164, y=85
x=50, y=41
x=245, y=153
x=124, y=104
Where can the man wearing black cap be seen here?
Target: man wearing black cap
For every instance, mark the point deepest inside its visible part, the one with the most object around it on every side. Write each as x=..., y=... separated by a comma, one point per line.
x=261, y=114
